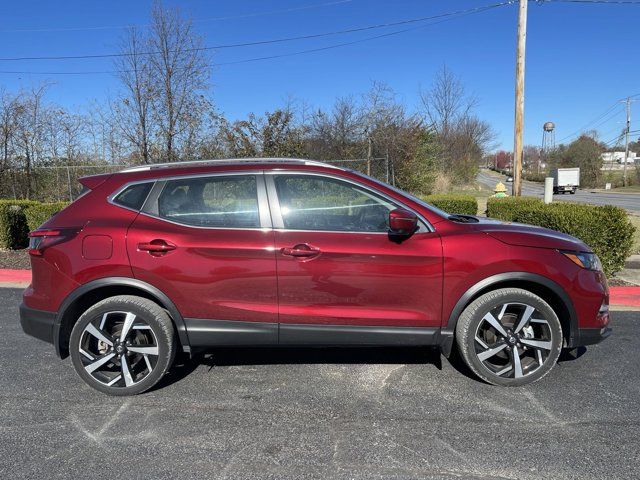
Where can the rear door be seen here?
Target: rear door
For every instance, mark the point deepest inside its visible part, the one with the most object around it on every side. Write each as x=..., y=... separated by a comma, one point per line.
x=337, y=264
x=206, y=242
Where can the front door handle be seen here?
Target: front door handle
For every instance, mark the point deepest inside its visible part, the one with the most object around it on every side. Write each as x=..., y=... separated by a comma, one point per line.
x=156, y=247
x=302, y=250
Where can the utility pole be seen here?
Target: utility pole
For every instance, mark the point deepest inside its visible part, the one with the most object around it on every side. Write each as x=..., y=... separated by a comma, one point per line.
x=626, y=142
x=519, y=114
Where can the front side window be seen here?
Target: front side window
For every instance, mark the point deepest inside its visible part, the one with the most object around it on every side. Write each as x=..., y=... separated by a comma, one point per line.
x=220, y=201
x=310, y=202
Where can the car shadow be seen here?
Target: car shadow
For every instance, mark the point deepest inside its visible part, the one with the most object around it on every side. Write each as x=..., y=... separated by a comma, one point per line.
x=251, y=356
x=571, y=354
x=184, y=364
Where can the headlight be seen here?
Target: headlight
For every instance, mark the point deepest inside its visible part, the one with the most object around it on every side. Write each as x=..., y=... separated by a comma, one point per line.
x=590, y=261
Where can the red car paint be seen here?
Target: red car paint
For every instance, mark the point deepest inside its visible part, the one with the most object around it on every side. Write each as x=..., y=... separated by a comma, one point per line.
x=303, y=277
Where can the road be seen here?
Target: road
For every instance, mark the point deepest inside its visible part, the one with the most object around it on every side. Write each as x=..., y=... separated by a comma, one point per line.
x=628, y=201
x=321, y=413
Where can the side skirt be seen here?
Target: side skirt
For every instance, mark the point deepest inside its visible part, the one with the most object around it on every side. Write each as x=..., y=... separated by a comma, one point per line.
x=295, y=334
x=212, y=333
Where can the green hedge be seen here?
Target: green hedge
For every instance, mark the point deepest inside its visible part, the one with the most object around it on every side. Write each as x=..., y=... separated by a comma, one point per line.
x=39, y=213
x=19, y=217
x=508, y=207
x=461, y=204
x=13, y=224
x=606, y=229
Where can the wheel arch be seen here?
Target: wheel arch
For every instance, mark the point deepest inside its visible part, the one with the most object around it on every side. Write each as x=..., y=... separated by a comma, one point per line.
x=544, y=287
x=92, y=292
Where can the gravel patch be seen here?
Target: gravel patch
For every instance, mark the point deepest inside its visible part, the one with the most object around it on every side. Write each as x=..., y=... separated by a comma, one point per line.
x=14, y=259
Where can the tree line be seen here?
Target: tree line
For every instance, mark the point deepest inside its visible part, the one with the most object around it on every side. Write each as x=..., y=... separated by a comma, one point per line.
x=163, y=112
x=584, y=152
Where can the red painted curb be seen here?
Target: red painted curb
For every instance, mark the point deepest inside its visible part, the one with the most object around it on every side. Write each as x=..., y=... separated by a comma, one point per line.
x=15, y=276
x=627, y=296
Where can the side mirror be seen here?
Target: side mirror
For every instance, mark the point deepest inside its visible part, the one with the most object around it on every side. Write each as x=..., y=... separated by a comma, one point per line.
x=402, y=224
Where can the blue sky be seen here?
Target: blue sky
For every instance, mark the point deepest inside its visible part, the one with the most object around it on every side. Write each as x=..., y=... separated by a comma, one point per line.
x=581, y=58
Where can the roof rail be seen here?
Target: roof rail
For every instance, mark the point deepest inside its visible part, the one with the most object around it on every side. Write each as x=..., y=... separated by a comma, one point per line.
x=226, y=161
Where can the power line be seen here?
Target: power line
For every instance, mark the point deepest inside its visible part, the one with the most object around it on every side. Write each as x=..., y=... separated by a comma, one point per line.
x=200, y=20
x=271, y=41
x=586, y=125
x=603, y=2
x=290, y=54
x=607, y=113
x=615, y=140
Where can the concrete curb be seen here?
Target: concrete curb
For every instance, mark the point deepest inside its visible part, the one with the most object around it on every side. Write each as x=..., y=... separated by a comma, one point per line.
x=619, y=296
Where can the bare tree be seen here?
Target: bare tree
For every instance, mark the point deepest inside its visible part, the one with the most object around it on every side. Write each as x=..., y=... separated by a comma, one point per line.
x=446, y=102
x=132, y=110
x=337, y=133
x=8, y=126
x=463, y=137
x=180, y=72
x=31, y=131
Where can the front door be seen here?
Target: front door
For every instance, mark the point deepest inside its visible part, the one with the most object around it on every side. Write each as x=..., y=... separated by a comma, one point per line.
x=336, y=263
x=206, y=242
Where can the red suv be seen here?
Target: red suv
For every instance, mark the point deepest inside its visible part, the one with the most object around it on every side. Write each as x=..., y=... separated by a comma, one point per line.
x=188, y=256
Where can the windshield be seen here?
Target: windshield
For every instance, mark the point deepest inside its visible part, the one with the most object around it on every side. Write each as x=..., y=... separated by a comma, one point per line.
x=418, y=200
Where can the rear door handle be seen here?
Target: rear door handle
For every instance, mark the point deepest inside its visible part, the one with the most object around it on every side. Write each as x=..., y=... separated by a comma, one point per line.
x=302, y=250
x=156, y=247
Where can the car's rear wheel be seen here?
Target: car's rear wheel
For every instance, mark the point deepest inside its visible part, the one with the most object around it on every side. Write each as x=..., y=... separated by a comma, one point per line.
x=509, y=337
x=122, y=345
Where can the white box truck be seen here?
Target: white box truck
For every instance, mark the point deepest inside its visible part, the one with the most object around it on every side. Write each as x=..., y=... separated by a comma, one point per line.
x=566, y=180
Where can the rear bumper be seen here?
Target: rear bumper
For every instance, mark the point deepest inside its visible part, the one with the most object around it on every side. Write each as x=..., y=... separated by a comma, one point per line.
x=38, y=323
x=591, y=336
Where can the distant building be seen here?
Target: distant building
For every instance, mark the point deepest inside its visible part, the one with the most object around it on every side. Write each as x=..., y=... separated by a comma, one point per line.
x=618, y=157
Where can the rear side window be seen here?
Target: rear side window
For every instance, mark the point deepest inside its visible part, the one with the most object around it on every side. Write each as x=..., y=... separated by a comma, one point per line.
x=217, y=201
x=134, y=195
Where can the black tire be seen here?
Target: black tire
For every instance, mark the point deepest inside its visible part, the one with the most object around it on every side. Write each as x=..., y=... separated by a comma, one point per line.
x=492, y=355
x=149, y=331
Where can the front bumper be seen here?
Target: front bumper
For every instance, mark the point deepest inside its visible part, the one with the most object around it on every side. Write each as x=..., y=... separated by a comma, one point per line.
x=38, y=323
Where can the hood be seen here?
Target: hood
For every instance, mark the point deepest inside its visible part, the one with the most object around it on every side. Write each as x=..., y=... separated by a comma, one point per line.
x=529, y=236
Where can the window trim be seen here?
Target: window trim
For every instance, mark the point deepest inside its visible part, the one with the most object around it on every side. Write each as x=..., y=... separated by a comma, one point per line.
x=276, y=214
x=149, y=208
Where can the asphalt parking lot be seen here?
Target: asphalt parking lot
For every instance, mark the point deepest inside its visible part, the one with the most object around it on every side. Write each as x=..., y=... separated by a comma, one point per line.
x=321, y=413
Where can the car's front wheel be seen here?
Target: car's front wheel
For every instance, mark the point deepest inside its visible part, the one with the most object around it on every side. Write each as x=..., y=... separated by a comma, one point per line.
x=122, y=345
x=509, y=337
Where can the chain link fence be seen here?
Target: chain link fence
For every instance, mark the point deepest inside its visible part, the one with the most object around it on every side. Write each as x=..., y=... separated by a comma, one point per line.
x=48, y=183
x=60, y=183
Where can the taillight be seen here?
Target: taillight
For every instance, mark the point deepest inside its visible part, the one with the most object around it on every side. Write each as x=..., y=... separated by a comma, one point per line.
x=40, y=240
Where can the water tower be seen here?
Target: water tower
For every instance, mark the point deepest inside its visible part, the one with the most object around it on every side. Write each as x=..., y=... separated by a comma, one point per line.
x=548, y=138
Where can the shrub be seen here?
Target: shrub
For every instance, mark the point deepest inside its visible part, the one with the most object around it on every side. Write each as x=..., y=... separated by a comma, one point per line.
x=452, y=203
x=606, y=229
x=508, y=207
x=13, y=223
x=535, y=177
x=39, y=213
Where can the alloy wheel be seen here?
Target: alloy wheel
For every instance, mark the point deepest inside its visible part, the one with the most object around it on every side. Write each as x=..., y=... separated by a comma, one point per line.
x=118, y=349
x=513, y=340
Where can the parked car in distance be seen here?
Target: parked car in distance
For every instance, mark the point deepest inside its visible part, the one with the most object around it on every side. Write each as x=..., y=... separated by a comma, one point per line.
x=509, y=179
x=566, y=180
x=191, y=256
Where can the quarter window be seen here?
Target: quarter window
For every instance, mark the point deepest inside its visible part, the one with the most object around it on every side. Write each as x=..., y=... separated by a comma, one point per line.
x=222, y=201
x=134, y=195
x=323, y=203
